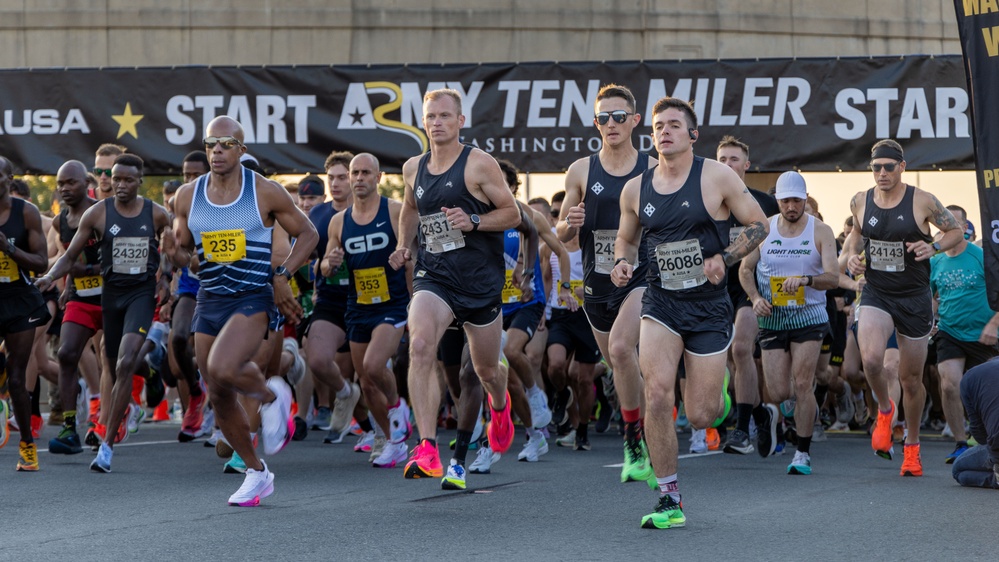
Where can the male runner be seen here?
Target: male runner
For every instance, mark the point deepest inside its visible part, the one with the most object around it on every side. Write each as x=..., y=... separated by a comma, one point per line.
x=227, y=217
x=457, y=203
x=103, y=161
x=127, y=228
x=894, y=235
x=591, y=209
x=786, y=279
x=683, y=207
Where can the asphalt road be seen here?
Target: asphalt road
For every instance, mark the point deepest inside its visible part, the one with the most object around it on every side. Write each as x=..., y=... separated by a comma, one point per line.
x=167, y=501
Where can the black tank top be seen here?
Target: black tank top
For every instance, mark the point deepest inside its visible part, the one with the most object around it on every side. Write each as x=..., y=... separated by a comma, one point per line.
x=469, y=263
x=681, y=234
x=13, y=279
x=89, y=286
x=602, y=200
x=891, y=269
x=129, y=251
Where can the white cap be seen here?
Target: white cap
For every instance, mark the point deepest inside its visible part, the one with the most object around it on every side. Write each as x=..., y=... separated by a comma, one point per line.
x=791, y=184
x=246, y=157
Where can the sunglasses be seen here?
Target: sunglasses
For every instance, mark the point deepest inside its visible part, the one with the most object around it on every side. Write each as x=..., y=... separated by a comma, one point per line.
x=619, y=116
x=888, y=167
x=102, y=171
x=226, y=142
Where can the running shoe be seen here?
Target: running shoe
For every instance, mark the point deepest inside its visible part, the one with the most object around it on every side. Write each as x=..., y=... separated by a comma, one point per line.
x=276, y=424
x=738, y=443
x=297, y=371
x=887, y=455
x=582, y=444
x=766, y=431
x=135, y=417
x=207, y=424
x=787, y=408
x=541, y=416
x=800, y=464
x=334, y=437
x=712, y=438
x=845, y=410
x=36, y=426
x=500, y=431
x=28, y=457
x=567, y=440
x=727, y=399
x=343, y=409
x=912, y=465
x=222, y=447
x=881, y=436
x=818, y=433
x=668, y=514
x=698, y=442
x=213, y=439
x=301, y=429
x=123, y=431
x=391, y=455
x=399, y=427
x=323, y=419
x=365, y=442
x=425, y=462
x=94, y=436
x=4, y=430
x=604, y=418
x=257, y=484
x=454, y=478
x=193, y=418
x=484, y=460
x=66, y=443
x=560, y=412
x=536, y=446
x=959, y=449
x=636, y=467
x=377, y=448
x=103, y=461
x=235, y=465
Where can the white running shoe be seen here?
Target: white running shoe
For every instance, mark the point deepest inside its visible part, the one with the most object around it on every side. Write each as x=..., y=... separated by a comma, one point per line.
x=392, y=454
x=343, y=410
x=365, y=442
x=699, y=441
x=484, y=460
x=135, y=417
x=567, y=440
x=257, y=484
x=297, y=371
x=399, y=426
x=276, y=425
x=479, y=427
x=377, y=447
x=536, y=446
x=207, y=423
x=541, y=415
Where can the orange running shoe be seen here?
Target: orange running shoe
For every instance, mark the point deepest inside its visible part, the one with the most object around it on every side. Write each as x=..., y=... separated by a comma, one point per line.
x=425, y=462
x=122, y=434
x=500, y=431
x=912, y=465
x=881, y=436
x=713, y=439
x=161, y=412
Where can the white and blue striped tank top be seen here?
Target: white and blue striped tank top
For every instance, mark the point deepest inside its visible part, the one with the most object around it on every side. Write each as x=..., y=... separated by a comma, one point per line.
x=234, y=246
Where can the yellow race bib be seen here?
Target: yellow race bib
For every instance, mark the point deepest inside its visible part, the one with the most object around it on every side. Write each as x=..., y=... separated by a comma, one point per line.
x=511, y=292
x=89, y=286
x=224, y=246
x=574, y=285
x=779, y=297
x=8, y=269
x=371, y=285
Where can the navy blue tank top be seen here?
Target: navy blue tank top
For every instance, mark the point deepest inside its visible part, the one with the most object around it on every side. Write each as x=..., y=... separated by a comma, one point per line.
x=602, y=201
x=333, y=288
x=469, y=263
x=130, y=253
x=681, y=234
x=890, y=266
x=367, y=248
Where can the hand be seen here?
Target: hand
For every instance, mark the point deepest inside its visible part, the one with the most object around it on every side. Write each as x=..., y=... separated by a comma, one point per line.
x=43, y=283
x=621, y=274
x=791, y=284
x=166, y=309
x=566, y=297
x=714, y=269
x=922, y=250
x=988, y=336
x=285, y=301
x=576, y=215
x=458, y=218
x=861, y=283
x=526, y=284
x=399, y=258
x=4, y=244
x=761, y=307
x=855, y=266
x=332, y=262
x=168, y=243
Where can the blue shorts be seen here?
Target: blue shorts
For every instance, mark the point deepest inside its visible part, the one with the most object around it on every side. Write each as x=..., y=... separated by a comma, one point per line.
x=213, y=311
x=186, y=284
x=362, y=323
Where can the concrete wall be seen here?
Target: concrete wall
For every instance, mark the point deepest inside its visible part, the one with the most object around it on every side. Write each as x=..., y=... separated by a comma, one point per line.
x=41, y=33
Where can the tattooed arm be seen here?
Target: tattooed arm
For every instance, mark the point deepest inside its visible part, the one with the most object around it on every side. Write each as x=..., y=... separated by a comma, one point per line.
x=748, y=212
x=934, y=212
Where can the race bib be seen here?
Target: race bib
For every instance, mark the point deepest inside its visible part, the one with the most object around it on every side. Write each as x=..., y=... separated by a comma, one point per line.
x=224, y=246
x=129, y=255
x=886, y=256
x=780, y=297
x=733, y=233
x=8, y=269
x=371, y=285
x=511, y=292
x=681, y=265
x=603, y=250
x=341, y=277
x=438, y=236
x=574, y=285
x=89, y=286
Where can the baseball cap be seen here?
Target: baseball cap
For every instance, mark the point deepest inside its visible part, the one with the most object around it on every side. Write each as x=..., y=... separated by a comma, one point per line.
x=791, y=184
x=969, y=230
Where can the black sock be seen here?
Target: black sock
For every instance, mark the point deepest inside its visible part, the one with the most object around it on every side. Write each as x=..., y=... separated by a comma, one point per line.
x=632, y=431
x=35, y=397
x=820, y=395
x=581, y=430
x=804, y=444
x=743, y=412
x=433, y=442
x=365, y=425
x=461, y=446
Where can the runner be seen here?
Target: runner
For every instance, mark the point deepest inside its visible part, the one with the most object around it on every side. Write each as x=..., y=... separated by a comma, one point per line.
x=682, y=206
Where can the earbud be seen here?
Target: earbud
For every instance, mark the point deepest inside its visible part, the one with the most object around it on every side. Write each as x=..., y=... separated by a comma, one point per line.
x=693, y=135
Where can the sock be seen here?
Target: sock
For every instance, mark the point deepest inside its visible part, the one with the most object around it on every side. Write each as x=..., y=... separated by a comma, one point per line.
x=743, y=412
x=433, y=442
x=632, y=431
x=69, y=419
x=461, y=446
x=668, y=485
x=35, y=407
x=820, y=394
x=344, y=392
x=962, y=443
x=365, y=425
x=581, y=430
x=804, y=444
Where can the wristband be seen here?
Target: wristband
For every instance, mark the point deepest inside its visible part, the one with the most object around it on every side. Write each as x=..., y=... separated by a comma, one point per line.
x=619, y=260
x=808, y=280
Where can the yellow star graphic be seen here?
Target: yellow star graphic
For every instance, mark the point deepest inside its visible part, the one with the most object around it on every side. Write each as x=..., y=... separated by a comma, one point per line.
x=126, y=122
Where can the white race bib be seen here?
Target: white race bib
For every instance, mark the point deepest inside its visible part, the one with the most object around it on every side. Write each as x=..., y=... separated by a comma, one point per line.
x=130, y=254
x=681, y=264
x=886, y=256
x=438, y=235
x=603, y=250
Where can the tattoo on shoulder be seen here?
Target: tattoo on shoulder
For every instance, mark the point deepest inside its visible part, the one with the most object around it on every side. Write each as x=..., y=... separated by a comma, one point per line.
x=942, y=217
x=745, y=190
x=748, y=241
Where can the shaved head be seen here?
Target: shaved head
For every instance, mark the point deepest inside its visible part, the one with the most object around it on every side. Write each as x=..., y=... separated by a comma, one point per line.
x=224, y=126
x=367, y=158
x=73, y=168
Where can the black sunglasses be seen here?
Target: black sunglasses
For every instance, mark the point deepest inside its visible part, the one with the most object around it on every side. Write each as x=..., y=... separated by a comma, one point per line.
x=226, y=142
x=102, y=171
x=888, y=167
x=619, y=116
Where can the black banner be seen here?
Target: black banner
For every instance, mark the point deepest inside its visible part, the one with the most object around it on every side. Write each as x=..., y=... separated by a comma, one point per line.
x=812, y=114
x=978, y=23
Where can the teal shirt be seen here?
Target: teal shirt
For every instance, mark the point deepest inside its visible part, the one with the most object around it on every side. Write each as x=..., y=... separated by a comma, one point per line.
x=959, y=283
